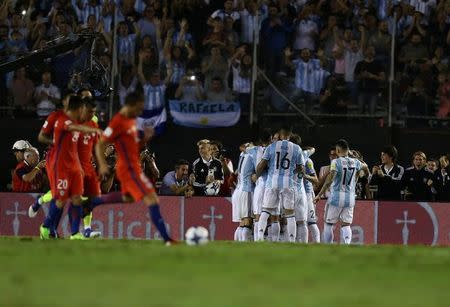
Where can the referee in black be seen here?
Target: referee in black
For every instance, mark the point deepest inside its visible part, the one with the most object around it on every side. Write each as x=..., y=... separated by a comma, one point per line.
x=386, y=178
x=206, y=169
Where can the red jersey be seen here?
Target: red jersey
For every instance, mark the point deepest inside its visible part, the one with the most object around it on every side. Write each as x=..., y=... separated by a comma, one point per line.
x=86, y=144
x=123, y=133
x=49, y=123
x=19, y=185
x=65, y=146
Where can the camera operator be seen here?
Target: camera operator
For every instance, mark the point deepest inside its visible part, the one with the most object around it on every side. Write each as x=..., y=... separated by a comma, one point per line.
x=148, y=164
x=417, y=181
x=177, y=182
x=386, y=178
x=206, y=169
x=218, y=152
x=29, y=175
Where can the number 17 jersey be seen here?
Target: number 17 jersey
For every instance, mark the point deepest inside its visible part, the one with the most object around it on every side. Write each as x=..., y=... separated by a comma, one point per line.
x=343, y=187
x=282, y=158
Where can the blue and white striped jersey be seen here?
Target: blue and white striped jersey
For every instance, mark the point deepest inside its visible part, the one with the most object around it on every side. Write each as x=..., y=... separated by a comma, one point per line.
x=304, y=75
x=283, y=158
x=342, y=190
x=309, y=170
x=259, y=154
x=246, y=169
x=154, y=96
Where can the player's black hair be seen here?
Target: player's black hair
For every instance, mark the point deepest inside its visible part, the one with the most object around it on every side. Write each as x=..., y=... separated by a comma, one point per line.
x=181, y=162
x=343, y=144
x=296, y=139
x=75, y=102
x=285, y=132
x=391, y=151
x=265, y=137
x=133, y=98
x=217, y=143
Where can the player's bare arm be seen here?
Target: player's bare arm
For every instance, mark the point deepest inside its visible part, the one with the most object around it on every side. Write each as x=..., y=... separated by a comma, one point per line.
x=100, y=149
x=325, y=186
x=83, y=129
x=312, y=179
x=45, y=138
x=262, y=165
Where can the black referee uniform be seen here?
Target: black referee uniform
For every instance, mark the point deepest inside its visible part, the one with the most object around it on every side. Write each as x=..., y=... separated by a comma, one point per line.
x=415, y=181
x=201, y=169
x=389, y=186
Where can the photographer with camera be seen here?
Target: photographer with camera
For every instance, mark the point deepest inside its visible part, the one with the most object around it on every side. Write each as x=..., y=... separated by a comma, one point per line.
x=108, y=181
x=219, y=153
x=148, y=164
x=190, y=88
x=177, y=181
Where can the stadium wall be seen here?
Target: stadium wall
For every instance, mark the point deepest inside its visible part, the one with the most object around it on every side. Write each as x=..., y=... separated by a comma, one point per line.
x=374, y=222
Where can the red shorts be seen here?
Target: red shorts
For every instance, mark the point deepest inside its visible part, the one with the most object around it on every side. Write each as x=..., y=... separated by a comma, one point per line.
x=91, y=185
x=67, y=184
x=135, y=184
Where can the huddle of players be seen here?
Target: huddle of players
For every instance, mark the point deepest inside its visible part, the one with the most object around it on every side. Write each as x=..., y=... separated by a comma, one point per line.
x=275, y=183
x=72, y=135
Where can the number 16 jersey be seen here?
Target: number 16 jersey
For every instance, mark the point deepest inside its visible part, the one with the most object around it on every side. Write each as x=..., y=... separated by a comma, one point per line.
x=343, y=187
x=282, y=158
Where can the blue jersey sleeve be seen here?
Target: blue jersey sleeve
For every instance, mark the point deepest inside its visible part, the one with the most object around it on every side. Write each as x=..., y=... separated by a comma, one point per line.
x=268, y=153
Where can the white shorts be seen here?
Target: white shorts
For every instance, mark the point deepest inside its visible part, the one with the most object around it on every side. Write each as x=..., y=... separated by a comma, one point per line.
x=312, y=217
x=279, y=198
x=334, y=214
x=258, y=196
x=300, y=206
x=242, y=205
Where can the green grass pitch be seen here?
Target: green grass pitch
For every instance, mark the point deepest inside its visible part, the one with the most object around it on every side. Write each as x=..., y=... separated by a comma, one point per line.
x=146, y=273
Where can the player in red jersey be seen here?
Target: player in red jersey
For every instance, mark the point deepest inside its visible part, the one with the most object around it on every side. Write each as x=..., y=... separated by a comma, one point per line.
x=135, y=185
x=67, y=172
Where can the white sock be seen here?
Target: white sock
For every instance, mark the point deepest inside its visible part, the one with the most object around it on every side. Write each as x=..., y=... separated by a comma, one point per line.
x=268, y=234
x=275, y=230
x=262, y=224
x=315, y=233
x=246, y=234
x=237, y=233
x=255, y=231
x=346, y=234
x=302, y=233
x=327, y=233
x=291, y=229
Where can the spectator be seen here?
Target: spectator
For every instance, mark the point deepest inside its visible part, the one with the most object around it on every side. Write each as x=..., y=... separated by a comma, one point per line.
x=28, y=175
x=218, y=92
x=275, y=31
x=148, y=164
x=334, y=98
x=222, y=14
x=206, y=169
x=217, y=37
x=146, y=25
x=432, y=165
x=214, y=65
x=190, y=88
x=442, y=179
x=444, y=95
x=22, y=89
x=19, y=148
x=417, y=181
x=381, y=41
x=107, y=182
x=241, y=65
x=412, y=51
x=177, y=182
x=386, y=178
x=416, y=100
x=370, y=75
x=128, y=83
x=47, y=95
x=306, y=30
x=250, y=17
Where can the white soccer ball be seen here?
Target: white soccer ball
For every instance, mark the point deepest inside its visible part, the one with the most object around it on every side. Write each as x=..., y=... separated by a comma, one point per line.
x=197, y=235
x=212, y=189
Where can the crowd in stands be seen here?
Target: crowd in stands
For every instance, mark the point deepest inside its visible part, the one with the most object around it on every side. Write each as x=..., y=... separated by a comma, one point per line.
x=333, y=54
x=213, y=173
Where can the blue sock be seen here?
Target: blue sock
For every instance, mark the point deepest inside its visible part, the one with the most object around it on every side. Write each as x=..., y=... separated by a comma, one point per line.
x=53, y=212
x=54, y=230
x=74, y=218
x=36, y=206
x=158, y=221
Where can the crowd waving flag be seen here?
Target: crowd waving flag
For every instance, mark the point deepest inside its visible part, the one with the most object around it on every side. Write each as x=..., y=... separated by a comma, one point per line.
x=205, y=114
